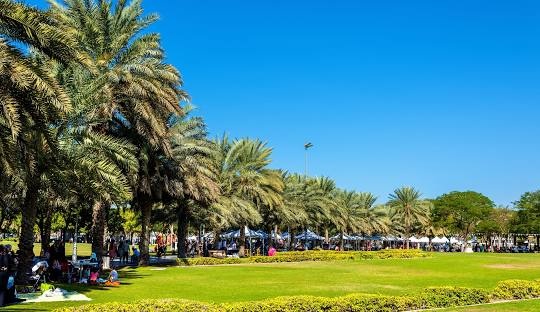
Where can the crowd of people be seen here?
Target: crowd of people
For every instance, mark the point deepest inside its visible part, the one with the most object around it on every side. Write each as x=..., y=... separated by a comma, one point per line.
x=120, y=250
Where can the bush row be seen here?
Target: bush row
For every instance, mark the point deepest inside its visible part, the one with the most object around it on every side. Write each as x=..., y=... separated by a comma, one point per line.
x=436, y=297
x=207, y=261
x=311, y=255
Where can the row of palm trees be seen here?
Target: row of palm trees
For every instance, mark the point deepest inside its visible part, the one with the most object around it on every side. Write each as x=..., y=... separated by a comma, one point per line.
x=94, y=117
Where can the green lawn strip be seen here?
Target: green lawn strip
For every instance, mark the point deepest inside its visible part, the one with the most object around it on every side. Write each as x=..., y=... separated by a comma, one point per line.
x=83, y=249
x=248, y=282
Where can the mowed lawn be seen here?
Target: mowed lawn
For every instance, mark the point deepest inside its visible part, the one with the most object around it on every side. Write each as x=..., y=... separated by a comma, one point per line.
x=258, y=281
x=83, y=249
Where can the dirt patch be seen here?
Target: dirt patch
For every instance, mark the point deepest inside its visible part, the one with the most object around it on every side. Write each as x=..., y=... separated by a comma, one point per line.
x=513, y=266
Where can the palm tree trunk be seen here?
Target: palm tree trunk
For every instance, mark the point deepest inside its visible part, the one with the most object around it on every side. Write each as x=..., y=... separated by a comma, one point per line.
x=45, y=228
x=183, y=219
x=26, y=241
x=145, y=204
x=326, y=238
x=291, y=238
x=275, y=235
x=99, y=220
x=341, y=241
x=242, y=251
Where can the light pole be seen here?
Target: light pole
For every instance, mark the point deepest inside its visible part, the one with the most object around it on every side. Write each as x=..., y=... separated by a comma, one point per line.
x=306, y=147
x=74, y=252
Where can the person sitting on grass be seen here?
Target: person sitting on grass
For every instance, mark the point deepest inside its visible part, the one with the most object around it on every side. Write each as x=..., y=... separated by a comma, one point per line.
x=113, y=280
x=113, y=276
x=94, y=277
x=135, y=256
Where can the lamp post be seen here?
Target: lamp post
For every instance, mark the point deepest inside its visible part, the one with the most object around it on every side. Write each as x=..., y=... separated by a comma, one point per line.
x=74, y=251
x=306, y=147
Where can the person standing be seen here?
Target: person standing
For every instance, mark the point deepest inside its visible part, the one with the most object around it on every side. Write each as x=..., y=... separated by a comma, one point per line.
x=121, y=250
x=125, y=256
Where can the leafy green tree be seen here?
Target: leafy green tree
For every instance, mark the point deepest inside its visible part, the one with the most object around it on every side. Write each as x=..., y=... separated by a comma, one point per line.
x=131, y=224
x=461, y=212
x=528, y=213
x=408, y=209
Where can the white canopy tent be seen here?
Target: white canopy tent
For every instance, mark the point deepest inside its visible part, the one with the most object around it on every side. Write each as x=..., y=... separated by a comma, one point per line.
x=440, y=240
x=423, y=240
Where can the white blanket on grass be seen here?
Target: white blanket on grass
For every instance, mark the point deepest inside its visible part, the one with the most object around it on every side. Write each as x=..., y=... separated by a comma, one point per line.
x=53, y=296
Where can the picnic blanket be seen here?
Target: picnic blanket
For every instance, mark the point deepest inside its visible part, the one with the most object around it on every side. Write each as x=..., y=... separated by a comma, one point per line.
x=53, y=296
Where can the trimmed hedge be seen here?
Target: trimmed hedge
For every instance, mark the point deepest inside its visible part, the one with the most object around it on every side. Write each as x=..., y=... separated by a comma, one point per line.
x=310, y=255
x=160, y=305
x=434, y=298
x=516, y=289
x=207, y=261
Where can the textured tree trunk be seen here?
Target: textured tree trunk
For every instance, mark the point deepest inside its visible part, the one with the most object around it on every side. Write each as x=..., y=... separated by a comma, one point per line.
x=45, y=228
x=26, y=241
x=326, y=238
x=183, y=220
x=145, y=204
x=341, y=241
x=291, y=239
x=242, y=250
x=99, y=220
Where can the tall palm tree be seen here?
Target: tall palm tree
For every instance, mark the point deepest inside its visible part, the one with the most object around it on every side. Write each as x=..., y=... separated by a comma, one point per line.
x=193, y=170
x=409, y=209
x=246, y=183
x=32, y=100
x=139, y=90
x=349, y=213
x=311, y=199
x=375, y=218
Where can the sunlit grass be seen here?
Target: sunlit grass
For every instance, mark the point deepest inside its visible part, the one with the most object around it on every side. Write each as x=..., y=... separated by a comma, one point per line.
x=257, y=281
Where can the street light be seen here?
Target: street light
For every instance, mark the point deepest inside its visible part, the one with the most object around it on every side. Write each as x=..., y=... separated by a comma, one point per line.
x=306, y=147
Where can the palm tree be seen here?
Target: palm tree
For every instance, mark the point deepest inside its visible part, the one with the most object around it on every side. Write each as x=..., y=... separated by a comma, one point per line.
x=193, y=171
x=375, y=218
x=311, y=200
x=32, y=100
x=138, y=90
x=246, y=183
x=409, y=209
x=349, y=213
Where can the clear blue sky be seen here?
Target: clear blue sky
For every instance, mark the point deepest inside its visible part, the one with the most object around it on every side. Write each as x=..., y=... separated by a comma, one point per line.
x=440, y=95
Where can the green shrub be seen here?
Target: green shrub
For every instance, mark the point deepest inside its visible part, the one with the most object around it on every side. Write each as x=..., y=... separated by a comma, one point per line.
x=207, y=261
x=437, y=297
x=159, y=305
x=516, y=289
x=310, y=255
x=432, y=298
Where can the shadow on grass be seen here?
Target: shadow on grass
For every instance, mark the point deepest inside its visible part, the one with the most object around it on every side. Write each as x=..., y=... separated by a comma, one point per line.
x=10, y=308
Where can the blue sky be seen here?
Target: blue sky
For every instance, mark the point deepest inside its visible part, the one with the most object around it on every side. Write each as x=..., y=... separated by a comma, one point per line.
x=440, y=95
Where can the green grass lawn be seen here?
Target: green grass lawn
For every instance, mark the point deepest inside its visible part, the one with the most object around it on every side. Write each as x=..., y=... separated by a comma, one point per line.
x=258, y=281
x=83, y=249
